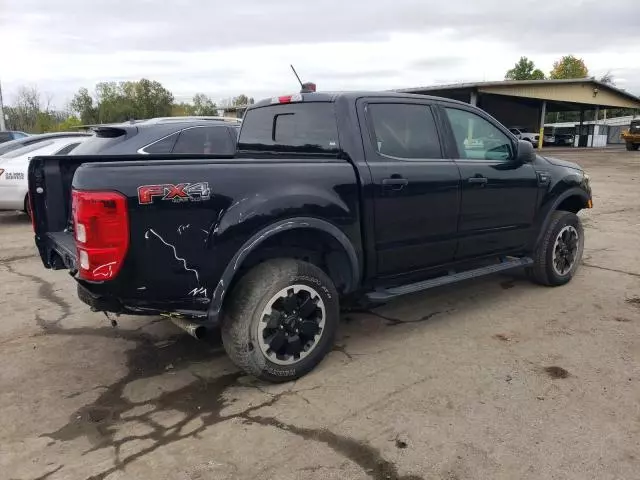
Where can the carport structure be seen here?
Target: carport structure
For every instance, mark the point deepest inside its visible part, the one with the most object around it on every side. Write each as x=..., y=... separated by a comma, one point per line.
x=524, y=103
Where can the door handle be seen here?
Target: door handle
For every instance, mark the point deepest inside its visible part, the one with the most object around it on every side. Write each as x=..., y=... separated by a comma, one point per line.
x=478, y=179
x=394, y=183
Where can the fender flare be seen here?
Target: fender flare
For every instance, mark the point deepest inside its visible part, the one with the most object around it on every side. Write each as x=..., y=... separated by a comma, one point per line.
x=571, y=192
x=250, y=245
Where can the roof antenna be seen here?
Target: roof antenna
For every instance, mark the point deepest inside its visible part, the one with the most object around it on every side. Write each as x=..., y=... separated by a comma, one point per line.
x=307, y=87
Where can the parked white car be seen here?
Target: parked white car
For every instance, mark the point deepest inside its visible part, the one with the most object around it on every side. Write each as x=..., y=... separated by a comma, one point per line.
x=15, y=165
x=523, y=134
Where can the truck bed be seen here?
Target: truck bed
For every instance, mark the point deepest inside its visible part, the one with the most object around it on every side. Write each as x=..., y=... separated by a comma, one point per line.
x=182, y=241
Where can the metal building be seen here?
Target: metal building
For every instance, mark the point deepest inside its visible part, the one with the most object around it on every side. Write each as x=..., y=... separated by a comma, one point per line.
x=525, y=102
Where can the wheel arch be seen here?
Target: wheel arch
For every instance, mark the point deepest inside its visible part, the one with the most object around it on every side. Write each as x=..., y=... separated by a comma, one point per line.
x=572, y=200
x=341, y=259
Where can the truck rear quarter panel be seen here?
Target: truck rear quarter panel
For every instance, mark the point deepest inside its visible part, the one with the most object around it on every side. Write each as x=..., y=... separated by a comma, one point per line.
x=180, y=246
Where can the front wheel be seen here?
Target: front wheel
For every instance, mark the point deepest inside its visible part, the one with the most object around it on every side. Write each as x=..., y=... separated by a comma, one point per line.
x=632, y=146
x=559, y=253
x=281, y=320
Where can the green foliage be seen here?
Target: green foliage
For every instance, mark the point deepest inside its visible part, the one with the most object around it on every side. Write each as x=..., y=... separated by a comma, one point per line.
x=69, y=124
x=182, y=109
x=82, y=104
x=524, y=69
x=203, y=105
x=118, y=102
x=112, y=102
x=569, y=67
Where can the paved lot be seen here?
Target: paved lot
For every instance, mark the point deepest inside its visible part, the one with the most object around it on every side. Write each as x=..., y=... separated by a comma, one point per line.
x=491, y=379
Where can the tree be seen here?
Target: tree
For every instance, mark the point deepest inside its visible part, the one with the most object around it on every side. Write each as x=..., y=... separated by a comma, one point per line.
x=569, y=67
x=607, y=78
x=524, y=69
x=118, y=102
x=23, y=113
x=69, y=124
x=182, y=109
x=239, y=101
x=203, y=105
x=82, y=104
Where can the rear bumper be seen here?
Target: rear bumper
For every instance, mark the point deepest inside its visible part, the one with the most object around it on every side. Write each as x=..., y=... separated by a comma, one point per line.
x=105, y=303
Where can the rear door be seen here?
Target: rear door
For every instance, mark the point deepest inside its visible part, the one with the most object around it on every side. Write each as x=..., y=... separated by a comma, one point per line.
x=499, y=193
x=416, y=190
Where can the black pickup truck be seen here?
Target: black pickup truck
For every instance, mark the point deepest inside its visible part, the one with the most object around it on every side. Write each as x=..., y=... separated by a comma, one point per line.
x=330, y=198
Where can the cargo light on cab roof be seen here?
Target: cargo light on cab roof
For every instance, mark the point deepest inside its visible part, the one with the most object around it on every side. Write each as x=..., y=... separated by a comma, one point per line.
x=287, y=98
x=308, y=87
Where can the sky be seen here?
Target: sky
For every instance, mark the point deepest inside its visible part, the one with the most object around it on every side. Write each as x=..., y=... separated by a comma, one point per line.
x=224, y=48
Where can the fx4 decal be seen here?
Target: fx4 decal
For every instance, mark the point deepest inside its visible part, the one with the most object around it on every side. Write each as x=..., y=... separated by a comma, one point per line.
x=182, y=192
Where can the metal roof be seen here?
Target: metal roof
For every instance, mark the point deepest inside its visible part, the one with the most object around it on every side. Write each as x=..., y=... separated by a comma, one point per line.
x=520, y=84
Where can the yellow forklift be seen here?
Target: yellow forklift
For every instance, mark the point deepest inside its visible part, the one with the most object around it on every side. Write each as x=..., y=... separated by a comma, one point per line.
x=632, y=136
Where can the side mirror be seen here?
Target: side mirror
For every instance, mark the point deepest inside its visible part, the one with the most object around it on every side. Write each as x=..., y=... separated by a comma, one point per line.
x=526, y=153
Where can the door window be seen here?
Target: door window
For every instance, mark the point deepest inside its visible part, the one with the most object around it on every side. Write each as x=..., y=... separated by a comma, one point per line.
x=404, y=130
x=477, y=138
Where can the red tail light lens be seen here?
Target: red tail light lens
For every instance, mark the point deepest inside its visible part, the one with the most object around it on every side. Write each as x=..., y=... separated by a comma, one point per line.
x=101, y=226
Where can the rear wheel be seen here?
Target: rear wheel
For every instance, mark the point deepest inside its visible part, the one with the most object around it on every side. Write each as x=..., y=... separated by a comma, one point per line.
x=559, y=253
x=632, y=146
x=281, y=320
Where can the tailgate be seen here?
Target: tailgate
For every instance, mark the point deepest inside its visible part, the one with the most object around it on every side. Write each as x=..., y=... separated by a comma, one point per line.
x=50, y=179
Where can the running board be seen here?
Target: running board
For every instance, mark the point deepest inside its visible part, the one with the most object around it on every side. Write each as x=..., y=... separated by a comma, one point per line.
x=386, y=294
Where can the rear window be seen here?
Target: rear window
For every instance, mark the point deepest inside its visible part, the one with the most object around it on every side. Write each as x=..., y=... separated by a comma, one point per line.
x=5, y=136
x=294, y=127
x=28, y=149
x=102, y=139
x=66, y=150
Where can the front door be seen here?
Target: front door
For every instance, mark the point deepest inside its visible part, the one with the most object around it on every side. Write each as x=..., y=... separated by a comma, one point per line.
x=499, y=193
x=416, y=190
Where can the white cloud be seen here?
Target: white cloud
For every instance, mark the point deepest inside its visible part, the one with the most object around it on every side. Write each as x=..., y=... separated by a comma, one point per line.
x=225, y=49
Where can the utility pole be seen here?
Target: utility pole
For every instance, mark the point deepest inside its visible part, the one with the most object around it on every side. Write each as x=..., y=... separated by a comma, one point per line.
x=2, y=124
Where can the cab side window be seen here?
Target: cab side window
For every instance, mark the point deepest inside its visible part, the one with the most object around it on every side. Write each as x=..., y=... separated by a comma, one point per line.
x=404, y=130
x=477, y=138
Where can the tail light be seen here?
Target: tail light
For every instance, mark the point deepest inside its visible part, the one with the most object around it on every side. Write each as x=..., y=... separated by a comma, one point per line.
x=101, y=226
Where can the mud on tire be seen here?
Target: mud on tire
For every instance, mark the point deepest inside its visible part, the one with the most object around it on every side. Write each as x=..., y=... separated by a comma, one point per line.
x=280, y=320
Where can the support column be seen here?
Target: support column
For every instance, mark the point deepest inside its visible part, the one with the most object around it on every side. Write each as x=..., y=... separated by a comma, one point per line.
x=2, y=124
x=543, y=113
x=581, y=125
x=595, y=124
x=474, y=98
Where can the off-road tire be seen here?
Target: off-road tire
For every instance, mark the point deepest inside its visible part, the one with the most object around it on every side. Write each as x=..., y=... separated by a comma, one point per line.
x=243, y=313
x=543, y=271
x=632, y=146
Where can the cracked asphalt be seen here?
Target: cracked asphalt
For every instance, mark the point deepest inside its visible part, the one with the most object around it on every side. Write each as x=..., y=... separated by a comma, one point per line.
x=495, y=378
